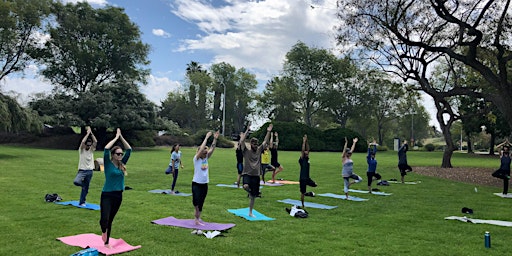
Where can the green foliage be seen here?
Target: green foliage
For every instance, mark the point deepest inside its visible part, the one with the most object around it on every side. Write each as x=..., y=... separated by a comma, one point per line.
x=15, y=119
x=222, y=142
x=91, y=46
x=430, y=147
x=142, y=138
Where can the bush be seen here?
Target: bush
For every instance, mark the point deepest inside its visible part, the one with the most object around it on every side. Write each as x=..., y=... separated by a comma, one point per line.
x=430, y=147
x=222, y=141
x=169, y=140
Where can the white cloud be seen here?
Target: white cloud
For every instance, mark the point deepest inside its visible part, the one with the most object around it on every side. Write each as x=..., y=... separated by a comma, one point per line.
x=257, y=35
x=158, y=87
x=24, y=88
x=160, y=32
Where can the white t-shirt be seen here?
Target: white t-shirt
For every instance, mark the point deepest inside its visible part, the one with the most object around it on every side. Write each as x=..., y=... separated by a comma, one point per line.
x=201, y=170
x=86, y=161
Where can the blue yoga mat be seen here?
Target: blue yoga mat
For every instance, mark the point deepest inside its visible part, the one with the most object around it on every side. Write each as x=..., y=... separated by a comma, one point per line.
x=76, y=204
x=244, y=213
x=168, y=192
x=367, y=192
x=307, y=204
x=350, y=198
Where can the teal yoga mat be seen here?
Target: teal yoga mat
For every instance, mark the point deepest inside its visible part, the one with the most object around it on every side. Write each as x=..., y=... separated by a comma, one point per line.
x=367, y=192
x=350, y=198
x=75, y=203
x=244, y=213
x=307, y=204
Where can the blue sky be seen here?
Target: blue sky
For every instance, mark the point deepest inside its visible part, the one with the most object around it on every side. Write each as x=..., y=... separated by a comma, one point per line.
x=254, y=35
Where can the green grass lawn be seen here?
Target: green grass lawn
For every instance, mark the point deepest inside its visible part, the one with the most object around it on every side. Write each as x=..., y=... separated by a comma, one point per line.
x=409, y=222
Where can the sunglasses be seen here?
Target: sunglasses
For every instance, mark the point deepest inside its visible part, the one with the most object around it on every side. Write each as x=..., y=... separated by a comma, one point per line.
x=119, y=154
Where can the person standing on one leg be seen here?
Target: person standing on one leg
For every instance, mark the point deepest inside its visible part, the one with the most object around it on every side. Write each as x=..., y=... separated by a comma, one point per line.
x=304, y=179
x=112, y=194
x=348, y=166
x=504, y=171
x=240, y=156
x=265, y=162
x=252, y=166
x=85, y=164
x=402, y=160
x=273, y=156
x=372, y=165
x=174, y=166
x=201, y=178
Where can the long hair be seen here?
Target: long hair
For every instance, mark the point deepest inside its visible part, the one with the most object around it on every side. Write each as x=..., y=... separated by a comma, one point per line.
x=174, y=147
x=119, y=163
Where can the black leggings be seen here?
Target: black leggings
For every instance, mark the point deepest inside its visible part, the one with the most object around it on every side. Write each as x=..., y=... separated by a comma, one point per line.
x=199, y=192
x=110, y=203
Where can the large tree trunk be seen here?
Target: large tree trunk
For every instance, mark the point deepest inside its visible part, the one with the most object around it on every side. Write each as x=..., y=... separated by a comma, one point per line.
x=470, y=144
x=491, y=144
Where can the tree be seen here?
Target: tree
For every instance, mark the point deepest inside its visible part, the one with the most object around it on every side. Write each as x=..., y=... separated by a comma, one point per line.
x=244, y=98
x=405, y=37
x=19, y=22
x=313, y=70
x=90, y=47
x=15, y=119
x=280, y=100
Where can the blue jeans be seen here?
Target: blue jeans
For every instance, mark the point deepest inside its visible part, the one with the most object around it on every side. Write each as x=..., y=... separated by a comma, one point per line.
x=82, y=179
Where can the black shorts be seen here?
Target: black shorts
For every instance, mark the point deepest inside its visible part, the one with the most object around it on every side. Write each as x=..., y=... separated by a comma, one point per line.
x=306, y=182
x=370, y=176
x=266, y=167
x=403, y=169
x=199, y=192
x=275, y=164
x=254, y=184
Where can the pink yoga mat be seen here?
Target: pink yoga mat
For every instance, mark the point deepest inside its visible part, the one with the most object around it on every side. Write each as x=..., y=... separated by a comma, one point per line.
x=94, y=241
x=190, y=223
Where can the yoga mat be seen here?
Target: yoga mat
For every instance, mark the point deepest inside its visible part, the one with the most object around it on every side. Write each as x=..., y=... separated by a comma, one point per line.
x=94, y=241
x=75, y=203
x=286, y=182
x=244, y=213
x=168, y=192
x=232, y=186
x=268, y=183
x=503, y=196
x=406, y=182
x=367, y=192
x=307, y=204
x=350, y=198
x=190, y=223
x=478, y=221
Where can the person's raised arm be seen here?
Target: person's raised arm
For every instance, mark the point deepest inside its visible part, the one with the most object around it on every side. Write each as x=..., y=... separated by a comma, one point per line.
x=201, y=148
x=271, y=140
x=94, y=140
x=212, y=147
x=344, y=152
x=84, y=139
x=125, y=143
x=354, y=141
x=269, y=129
x=305, y=145
x=243, y=136
x=111, y=143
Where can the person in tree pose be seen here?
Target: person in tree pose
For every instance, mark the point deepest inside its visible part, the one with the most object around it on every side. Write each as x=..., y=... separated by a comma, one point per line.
x=174, y=166
x=304, y=178
x=112, y=194
x=372, y=165
x=273, y=156
x=201, y=178
x=348, y=166
x=402, y=160
x=252, y=167
x=504, y=171
x=85, y=164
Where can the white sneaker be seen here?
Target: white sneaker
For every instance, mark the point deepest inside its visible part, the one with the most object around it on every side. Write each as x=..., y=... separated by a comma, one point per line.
x=82, y=205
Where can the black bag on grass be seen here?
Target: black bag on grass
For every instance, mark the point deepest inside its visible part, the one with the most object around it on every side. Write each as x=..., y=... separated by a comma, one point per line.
x=52, y=198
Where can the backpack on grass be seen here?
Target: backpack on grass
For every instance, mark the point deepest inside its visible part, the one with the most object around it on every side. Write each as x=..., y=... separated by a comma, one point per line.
x=52, y=198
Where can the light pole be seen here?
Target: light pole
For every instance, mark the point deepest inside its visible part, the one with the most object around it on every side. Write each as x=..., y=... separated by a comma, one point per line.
x=412, y=128
x=224, y=108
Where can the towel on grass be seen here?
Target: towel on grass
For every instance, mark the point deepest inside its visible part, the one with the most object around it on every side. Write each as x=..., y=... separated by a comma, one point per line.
x=503, y=195
x=190, y=223
x=307, y=204
x=479, y=221
x=406, y=182
x=95, y=241
x=168, y=192
x=76, y=204
x=244, y=213
x=367, y=192
x=350, y=198
x=286, y=182
x=270, y=184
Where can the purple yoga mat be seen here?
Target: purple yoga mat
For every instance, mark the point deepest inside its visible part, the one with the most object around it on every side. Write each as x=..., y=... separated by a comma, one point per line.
x=190, y=223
